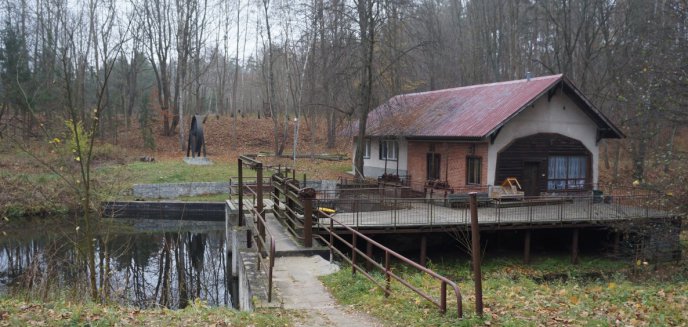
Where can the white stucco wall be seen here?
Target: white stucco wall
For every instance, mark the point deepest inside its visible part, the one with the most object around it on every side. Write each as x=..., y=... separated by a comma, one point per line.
x=560, y=115
x=374, y=167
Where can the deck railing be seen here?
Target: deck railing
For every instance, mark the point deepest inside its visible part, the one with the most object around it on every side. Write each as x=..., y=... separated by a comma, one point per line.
x=400, y=212
x=356, y=257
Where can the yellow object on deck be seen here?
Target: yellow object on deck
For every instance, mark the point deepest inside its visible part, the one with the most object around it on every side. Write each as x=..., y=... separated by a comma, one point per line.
x=327, y=210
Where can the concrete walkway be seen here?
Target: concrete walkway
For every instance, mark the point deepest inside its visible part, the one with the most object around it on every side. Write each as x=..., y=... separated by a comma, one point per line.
x=298, y=288
x=283, y=242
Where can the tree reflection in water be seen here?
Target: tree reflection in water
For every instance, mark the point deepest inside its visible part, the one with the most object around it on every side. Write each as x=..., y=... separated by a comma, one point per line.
x=166, y=269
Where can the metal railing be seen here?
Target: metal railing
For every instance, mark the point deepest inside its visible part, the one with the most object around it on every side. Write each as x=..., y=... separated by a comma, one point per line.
x=294, y=206
x=247, y=182
x=368, y=193
x=266, y=247
x=404, y=212
x=353, y=260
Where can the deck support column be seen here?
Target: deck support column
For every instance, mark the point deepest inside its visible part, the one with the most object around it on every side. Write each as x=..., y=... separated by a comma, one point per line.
x=369, y=254
x=574, y=246
x=526, y=247
x=475, y=252
x=617, y=241
x=423, y=250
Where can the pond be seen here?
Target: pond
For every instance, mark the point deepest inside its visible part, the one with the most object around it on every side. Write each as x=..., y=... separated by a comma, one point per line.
x=159, y=264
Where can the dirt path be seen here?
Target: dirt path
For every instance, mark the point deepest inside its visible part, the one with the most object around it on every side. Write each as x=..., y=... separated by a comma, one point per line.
x=297, y=285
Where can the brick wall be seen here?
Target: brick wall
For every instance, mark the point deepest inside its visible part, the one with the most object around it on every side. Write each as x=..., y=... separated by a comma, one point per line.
x=453, y=162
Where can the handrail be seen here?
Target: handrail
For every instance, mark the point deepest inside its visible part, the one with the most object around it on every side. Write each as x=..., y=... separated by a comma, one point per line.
x=253, y=192
x=441, y=304
x=260, y=225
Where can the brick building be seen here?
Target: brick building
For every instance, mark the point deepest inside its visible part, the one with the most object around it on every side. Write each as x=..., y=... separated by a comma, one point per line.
x=542, y=131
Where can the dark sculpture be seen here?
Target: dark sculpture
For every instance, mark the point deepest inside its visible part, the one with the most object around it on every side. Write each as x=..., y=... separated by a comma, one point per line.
x=196, y=139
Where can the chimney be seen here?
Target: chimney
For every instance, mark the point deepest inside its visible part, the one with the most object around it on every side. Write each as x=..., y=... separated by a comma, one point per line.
x=529, y=75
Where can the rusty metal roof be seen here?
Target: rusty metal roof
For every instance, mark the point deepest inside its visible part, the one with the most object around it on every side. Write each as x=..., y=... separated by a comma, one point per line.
x=471, y=112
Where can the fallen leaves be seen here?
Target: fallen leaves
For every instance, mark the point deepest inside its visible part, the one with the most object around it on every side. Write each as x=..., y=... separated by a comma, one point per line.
x=57, y=313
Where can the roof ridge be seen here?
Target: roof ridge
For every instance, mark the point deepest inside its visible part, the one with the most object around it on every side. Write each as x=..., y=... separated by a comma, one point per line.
x=557, y=76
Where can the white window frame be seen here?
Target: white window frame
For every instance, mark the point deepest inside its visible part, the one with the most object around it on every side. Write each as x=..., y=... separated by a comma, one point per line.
x=366, y=148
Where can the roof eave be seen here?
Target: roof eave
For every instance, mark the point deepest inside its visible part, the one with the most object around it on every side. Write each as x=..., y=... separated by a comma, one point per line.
x=617, y=133
x=610, y=127
x=526, y=105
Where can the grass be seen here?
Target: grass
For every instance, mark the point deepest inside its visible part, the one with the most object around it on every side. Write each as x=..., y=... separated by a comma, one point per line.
x=552, y=291
x=172, y=171
x=15, y=312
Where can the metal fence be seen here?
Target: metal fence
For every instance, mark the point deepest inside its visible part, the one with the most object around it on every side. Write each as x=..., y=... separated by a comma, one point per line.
x=399, y=212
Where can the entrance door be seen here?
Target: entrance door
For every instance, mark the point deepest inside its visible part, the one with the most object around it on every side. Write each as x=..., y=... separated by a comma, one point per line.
x=531, y=174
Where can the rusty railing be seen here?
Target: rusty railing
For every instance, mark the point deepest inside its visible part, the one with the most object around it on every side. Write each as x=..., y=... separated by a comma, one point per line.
x=353, y=260
x=266, y=247
x=287, y=204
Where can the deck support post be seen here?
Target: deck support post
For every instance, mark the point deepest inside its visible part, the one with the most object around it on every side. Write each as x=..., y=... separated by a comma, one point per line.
x=574, y=246
x=526, y=247
x=423, y=250
x=369, y=254
x=617, y=241
x=475, y=251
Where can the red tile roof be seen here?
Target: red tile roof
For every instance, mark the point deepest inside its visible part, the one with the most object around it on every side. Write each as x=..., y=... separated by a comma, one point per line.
x=468, y=112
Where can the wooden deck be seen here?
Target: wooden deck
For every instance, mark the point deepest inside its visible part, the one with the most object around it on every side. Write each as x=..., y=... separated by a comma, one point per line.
x=424, y=215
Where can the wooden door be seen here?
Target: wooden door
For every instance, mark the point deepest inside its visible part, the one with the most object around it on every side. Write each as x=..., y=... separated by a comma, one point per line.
x=531, y=179
x=433, y=161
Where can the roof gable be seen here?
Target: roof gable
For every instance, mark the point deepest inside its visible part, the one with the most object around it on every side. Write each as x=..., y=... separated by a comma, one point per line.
x=473, y=111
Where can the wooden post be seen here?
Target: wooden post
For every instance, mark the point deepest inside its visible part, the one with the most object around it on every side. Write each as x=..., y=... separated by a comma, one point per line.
x=307, y=195
x=475, y=251
x=259, y=200
x=526, y=247
x=617, y=241
x=369, y=253
x=353, y=254
x=423, y=250
x=388, y=278
x=574, y=247
x=241, y=192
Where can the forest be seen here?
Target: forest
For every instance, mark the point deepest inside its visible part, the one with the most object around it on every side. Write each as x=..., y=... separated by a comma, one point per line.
x=83, y=79
x=145, y=67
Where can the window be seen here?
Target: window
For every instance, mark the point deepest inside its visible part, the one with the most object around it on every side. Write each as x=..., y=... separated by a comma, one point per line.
x=433, y=161
x=566, y=172
x=366, y=150
x=388, y=149
x=473, y=170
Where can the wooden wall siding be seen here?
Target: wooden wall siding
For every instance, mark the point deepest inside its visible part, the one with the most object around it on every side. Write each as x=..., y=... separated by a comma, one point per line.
x=453, y=166
x=537, y=148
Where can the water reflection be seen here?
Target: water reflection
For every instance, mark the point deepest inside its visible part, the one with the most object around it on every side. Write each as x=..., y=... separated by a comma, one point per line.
x=150, y=269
